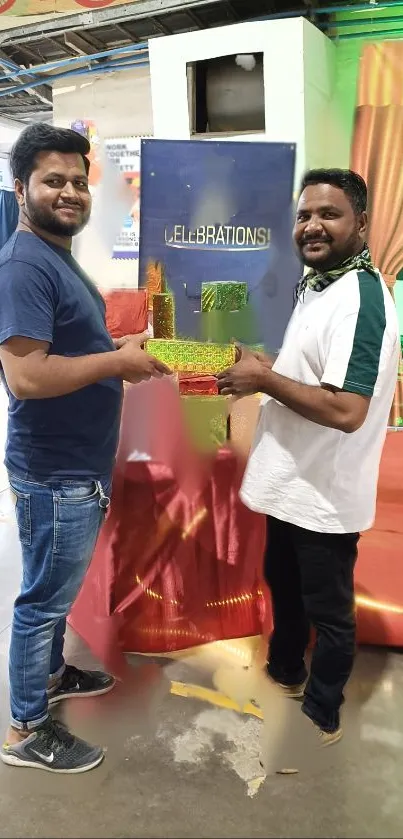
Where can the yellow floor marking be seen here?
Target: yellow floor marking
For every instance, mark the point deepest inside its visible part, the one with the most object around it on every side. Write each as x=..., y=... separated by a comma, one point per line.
x=213, y=697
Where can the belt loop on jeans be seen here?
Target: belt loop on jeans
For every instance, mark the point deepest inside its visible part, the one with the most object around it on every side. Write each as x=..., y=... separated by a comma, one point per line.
x=104, y=500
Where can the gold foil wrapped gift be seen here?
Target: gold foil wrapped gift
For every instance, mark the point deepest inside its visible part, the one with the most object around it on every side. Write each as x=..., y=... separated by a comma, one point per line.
x=193, y=357
x=155, y=281
x=164, y=316
x=224, y=296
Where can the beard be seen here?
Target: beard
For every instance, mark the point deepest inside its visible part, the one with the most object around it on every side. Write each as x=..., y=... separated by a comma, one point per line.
x=336, y=253
x=45, y=218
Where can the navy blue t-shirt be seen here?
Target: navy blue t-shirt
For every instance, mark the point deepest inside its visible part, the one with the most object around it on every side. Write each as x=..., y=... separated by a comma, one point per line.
x=46, y=296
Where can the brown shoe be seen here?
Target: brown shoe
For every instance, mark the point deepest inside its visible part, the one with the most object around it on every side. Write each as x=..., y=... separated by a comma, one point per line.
x=326, y=738
x=293, y=691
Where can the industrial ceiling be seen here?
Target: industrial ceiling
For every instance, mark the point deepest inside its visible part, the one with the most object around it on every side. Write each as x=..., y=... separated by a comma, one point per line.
x=92, y=32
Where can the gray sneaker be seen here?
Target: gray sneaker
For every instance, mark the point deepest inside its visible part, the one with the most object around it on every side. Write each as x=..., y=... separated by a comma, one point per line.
x=53, y=748
x=79, y=683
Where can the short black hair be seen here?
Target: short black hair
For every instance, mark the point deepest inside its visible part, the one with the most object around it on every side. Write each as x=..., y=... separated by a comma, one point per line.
x=352, y=184
x=40, y=137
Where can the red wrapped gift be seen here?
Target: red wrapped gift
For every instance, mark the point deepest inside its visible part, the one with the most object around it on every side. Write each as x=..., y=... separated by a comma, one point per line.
x=198, y=385
x=126, y=311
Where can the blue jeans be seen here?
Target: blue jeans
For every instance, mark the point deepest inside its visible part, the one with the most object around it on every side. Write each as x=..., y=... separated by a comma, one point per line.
x=58, y=525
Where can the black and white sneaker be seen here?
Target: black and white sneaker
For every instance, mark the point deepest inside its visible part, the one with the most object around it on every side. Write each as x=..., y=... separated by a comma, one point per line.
x=76, y=683
x=53, y=748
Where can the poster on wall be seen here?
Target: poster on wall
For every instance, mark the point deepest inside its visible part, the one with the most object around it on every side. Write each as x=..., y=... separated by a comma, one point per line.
x=221, y=211
x=6, y=181
x=124, y=152
x=88, y=129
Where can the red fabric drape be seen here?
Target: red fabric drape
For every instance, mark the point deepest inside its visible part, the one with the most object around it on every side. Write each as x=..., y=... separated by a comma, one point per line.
x=378, y=138
x=169, y=572
x=149, y=589
x=179, y=560
x=376, y=155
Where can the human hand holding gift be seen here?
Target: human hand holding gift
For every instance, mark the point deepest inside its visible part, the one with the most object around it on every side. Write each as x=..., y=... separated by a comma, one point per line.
x=136, y=364
x=120, y=342
x=267, y=360
x=248, y=374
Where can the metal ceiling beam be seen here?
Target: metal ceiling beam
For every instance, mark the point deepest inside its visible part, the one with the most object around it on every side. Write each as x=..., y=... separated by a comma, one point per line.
x=42, y=92
x=59, y=45
x=82, y=45
x=160, y=26
x=18, y=109
x=10, y=123
x=100, y=17
x=36, y=57
x=229, y=7
x=126, y=33
x=195, y=19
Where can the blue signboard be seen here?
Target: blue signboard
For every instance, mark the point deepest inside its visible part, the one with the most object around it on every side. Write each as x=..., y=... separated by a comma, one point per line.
x=216, y=211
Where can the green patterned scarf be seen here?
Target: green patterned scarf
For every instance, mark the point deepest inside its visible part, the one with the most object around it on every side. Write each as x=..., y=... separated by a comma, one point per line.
x=318, y=280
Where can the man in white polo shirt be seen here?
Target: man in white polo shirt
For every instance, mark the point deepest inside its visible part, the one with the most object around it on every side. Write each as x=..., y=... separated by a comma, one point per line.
x=313, y=468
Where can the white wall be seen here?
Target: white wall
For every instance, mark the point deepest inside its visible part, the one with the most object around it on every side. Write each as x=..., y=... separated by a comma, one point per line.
x=118, y=103
x=326, y=141
x=299, y=66
x=9, y=131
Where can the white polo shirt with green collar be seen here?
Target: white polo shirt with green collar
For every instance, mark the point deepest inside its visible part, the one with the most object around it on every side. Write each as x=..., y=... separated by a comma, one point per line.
x=300, y=472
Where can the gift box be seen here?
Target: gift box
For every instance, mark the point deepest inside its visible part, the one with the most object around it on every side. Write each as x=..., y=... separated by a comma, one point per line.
x=224, y=296
x=164, y=315
x=220, y=327
x=126, y=312
x=207, y=420
x=192, y=356
x=198, y=385
x=155, y=281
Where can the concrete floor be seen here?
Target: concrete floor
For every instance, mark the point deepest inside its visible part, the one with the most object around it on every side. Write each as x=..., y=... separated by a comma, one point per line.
x=188, y=765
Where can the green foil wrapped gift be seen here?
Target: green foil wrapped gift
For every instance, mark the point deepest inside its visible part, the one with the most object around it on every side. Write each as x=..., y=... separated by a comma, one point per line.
x=207, y=420
x=193, y=357
x=224, y=297
x=164, y=315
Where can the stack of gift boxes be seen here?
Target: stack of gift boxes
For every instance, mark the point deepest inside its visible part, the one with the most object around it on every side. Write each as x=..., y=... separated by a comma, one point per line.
x=196, y=363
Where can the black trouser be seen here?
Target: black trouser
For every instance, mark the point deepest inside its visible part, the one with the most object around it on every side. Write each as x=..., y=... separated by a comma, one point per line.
x=311, y=581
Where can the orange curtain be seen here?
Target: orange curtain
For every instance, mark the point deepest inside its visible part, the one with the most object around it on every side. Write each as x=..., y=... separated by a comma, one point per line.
x=376, y=155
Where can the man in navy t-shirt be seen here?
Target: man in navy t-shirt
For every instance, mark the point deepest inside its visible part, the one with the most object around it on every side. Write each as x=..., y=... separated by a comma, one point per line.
x=64, y=375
